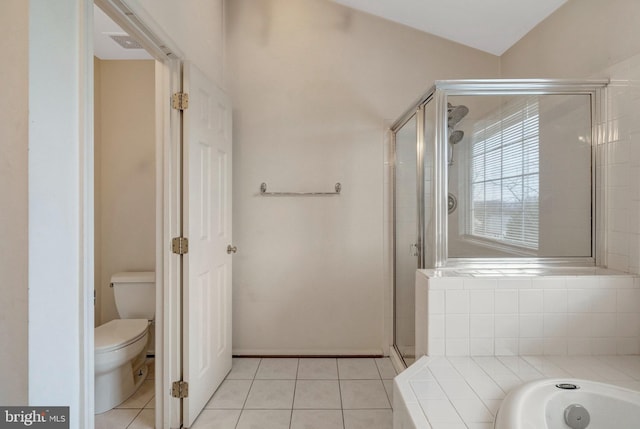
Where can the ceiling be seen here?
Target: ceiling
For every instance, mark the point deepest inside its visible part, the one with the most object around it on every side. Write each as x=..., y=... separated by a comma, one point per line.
x=104, y=47
x=492, y=26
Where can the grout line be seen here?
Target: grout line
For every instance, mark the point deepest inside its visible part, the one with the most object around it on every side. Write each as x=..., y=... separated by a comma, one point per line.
x=248, y=393
x=134, y=419
x=293, y=399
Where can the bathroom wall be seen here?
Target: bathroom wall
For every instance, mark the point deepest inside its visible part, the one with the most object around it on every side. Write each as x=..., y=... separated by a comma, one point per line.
x=579, y=39
x=609, y=47
x=196, y=27
x=314, y=87
x=124, y=174
x=13, y=194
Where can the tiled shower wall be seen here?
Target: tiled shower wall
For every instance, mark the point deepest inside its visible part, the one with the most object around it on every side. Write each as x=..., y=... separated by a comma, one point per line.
x=538, y=315
x=621, y=178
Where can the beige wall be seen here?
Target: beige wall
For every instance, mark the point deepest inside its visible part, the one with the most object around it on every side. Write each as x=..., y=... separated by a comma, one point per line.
x=312, y=84
x=124, y=174
x=13, y=194
x=195, y=26
x=580, y=39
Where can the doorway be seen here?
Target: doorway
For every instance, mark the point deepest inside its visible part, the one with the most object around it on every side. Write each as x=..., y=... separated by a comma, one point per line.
x=124, y=192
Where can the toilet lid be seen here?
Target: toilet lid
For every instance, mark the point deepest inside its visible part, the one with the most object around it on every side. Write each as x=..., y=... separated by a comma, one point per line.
x=119, y=333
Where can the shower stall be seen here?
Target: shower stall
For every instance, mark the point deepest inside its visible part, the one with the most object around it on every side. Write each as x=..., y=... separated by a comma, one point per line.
x=495, y=174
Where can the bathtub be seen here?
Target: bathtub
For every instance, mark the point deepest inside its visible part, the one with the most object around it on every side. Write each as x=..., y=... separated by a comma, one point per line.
x=569, y=403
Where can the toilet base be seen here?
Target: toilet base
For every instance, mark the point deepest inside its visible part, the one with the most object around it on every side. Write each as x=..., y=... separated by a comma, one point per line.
x=115, y=387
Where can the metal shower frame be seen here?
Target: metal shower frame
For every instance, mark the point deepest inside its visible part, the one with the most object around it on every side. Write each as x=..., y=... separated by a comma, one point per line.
x=439, y=94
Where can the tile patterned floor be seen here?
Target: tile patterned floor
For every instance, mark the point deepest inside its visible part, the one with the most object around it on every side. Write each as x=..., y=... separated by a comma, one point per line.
x=283, y=393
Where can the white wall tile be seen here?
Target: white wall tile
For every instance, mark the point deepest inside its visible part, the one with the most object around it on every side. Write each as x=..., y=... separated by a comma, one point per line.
x=481, y=346
x=436, y=326
x=579, y=346
x=628, y=300
x=578, y=301
x=579, y=325
x=457, y=347
x=514, y=283
x=603, y=300
x=627, y=346
x=457, y=301
x=555, y=301
x=531, y=325
x=457, y=326
x=481, y=326
x=555, y=325
x=603, y=346
x=531, y=347
x=627, y=325
x=436, y=301
x=481, y=301
x=506, y=325
x=603, y=324
x=506, y=346
x=530, y=301
x=549, y=283
x=555, y=346
x=506, y=301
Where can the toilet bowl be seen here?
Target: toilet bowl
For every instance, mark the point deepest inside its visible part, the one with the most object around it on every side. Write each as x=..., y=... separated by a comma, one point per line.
x=121, y=344
x=120, y=352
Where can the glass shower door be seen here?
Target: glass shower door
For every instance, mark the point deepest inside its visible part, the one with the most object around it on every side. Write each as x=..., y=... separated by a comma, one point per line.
x=406, y=236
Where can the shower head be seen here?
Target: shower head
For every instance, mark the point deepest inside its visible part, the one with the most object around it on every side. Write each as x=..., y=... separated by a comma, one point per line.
x=456, y=136
x=456, y=113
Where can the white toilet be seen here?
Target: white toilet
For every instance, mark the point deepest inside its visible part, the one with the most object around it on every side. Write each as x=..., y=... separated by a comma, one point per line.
x=121, y=344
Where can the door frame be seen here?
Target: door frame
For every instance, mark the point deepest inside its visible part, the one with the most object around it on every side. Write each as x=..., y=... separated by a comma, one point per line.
x=168, y=79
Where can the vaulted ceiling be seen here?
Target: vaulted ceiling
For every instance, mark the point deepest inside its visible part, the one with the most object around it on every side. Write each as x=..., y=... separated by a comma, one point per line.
x=489, y=25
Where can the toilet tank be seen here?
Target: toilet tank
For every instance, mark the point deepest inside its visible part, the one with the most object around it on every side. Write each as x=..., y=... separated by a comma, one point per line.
x=135, y=294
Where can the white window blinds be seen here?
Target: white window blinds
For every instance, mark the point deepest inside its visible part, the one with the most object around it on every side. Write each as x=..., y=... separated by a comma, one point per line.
x=505, y=176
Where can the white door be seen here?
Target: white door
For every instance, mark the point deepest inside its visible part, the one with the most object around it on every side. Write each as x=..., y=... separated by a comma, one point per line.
x=207, y=225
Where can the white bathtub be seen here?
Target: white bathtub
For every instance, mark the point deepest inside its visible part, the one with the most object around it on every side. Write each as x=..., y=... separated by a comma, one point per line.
x=541, y=404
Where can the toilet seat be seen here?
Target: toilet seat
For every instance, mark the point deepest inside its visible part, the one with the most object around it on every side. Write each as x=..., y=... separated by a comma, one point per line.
x=119, y=333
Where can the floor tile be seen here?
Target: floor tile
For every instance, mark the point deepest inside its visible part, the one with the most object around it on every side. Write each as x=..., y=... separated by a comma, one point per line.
x=363, y=394
x=368, y=419
x=243, y=369
x=317, y=394
x=277, y=369
x=271, y=394
x=145, y=420
x=318, y=369
x=151, y=368
x=264, y=419
x=388, y=387
x=230, y=395
x=316, y=419
x=218, y=419
x=358, y=369
x=141, y=397
x=115, y=419
x=385, y=368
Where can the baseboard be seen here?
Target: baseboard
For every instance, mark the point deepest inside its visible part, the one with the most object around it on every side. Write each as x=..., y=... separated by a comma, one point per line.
x=308, y=353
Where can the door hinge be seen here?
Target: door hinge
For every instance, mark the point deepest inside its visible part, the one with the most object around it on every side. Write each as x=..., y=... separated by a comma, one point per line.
x=180, y=245
x=180, y=389
x=180, y=101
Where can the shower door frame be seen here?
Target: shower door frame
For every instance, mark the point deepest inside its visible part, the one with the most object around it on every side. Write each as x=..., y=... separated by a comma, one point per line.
x=417, y=110
x=437, y=237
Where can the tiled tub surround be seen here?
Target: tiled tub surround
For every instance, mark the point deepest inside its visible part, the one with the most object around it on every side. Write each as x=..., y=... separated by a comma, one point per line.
x=511, y=312
x=465, y=392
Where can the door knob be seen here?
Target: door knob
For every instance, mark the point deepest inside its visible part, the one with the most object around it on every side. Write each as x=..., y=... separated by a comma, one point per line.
x=231, y=249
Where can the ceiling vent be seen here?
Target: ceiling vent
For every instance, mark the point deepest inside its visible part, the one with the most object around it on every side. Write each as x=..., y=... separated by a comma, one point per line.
x=126, y=41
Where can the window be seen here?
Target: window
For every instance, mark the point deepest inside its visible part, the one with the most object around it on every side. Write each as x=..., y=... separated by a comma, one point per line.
x=505, y=176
